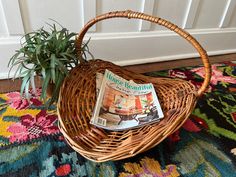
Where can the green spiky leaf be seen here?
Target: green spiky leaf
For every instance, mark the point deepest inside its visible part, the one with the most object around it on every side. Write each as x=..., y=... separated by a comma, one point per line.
x=48, y=53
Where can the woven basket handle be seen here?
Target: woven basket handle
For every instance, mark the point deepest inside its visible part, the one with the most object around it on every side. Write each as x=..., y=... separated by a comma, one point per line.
x=136, y=15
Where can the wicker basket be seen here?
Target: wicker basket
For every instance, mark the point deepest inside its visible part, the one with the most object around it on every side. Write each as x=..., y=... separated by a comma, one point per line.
x=77, y=100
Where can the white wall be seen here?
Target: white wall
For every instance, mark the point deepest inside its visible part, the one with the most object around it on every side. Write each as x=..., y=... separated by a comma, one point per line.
x=125, y=41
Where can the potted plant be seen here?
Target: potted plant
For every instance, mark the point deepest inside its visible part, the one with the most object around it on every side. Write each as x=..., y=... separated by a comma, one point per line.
x=49, y=54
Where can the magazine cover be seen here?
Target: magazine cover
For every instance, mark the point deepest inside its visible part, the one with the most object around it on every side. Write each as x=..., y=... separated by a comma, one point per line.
x=123, y=104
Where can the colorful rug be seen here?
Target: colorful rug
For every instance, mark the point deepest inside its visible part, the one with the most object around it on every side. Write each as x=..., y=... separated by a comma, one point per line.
x=23, y=120
x=31, y=145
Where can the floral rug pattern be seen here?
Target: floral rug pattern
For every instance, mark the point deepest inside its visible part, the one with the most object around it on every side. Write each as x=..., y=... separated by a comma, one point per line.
x=23, y=120
x=31, y=145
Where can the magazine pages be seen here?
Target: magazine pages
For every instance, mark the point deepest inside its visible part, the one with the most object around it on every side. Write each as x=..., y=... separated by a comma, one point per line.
x=123, y=104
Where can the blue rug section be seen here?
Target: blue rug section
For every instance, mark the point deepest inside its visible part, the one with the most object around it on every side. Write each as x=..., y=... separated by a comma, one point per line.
x=195, y=155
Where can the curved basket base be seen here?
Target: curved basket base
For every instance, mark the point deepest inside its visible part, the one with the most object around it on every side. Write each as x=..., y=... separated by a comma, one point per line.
x=77, y=100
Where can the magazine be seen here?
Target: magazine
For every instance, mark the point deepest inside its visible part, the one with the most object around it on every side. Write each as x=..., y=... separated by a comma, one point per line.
x=123, y=104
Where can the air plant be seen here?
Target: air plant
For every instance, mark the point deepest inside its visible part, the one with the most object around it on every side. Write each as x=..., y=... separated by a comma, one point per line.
x=48, y=54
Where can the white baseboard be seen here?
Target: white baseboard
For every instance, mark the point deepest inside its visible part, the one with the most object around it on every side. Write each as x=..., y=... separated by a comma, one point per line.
x=156, y=46
x=141, y=47
x=171, y=57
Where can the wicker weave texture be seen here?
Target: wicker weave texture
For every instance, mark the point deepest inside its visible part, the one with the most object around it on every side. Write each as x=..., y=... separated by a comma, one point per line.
x=78, y=97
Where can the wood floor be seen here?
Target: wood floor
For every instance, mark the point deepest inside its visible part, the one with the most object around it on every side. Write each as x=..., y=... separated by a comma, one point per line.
x=9, y=85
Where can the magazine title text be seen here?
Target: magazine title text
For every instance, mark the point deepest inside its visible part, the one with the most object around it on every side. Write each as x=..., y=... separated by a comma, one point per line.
x=126, y=84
